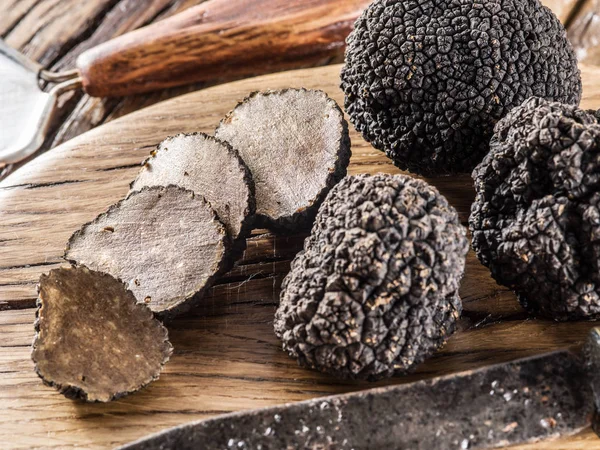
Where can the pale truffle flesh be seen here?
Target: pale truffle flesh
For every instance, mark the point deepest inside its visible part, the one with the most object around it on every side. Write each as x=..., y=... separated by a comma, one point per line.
x=93, y=341
x=296, y=144
x=208, y=167
x=165, y=243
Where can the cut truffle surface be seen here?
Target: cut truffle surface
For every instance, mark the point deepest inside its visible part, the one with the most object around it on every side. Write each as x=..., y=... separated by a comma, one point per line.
x=375, y=290
x=536, y=216
x=165, y=243
x=426, y=81
x=211, y=169
x=296, y=144
x=93, y=340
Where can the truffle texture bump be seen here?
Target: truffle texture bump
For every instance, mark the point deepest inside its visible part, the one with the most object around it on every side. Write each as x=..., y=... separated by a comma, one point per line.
x=375, y=289
x=426, y=81
x=536, y=219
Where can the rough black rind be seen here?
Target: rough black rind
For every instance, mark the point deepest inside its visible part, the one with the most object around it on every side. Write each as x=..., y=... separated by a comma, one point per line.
x=536, y=216
x=75, y=392
x=303, y=219
x=427, y=81
x=247, y=224
x=223, y=266
x=375, y=290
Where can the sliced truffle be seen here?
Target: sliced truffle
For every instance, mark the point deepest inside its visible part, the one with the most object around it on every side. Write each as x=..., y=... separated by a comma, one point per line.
x=427, y=81
x=375, y=290
x=93, y=341
x=536, y=216
x=209, y=167
x=165, y=243
x=296, y=144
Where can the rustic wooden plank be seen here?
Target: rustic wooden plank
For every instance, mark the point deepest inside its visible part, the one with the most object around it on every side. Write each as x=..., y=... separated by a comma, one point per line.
x=80, y=112
x=226, y=359
x=226, y=355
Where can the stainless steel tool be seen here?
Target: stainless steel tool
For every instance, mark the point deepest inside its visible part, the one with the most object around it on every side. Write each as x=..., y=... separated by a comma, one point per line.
x=527, y=400
x=216, y=39
x=25, y=109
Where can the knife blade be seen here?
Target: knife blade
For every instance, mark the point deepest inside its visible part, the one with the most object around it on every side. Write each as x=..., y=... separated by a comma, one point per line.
x=523, y=401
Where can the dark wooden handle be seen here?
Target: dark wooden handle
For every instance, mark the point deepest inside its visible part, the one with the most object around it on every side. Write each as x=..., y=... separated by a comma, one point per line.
x=219, y=38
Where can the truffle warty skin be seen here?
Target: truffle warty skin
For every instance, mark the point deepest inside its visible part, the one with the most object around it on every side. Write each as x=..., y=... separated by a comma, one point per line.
x=426, y=81
x=536, y=216
x=375, y=290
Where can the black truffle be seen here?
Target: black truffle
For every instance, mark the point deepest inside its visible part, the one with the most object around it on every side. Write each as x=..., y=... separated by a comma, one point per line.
x=375, y=290
x=210, y=168
x=536, y=217
x=93, y=342
x=426, y=81
x=296, y=144
x=165, y=243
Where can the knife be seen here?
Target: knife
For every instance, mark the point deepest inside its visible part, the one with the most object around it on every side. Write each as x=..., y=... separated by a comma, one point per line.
x=523, y=401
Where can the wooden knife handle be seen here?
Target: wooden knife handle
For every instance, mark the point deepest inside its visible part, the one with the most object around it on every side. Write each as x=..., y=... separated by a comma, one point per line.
x=219, y=38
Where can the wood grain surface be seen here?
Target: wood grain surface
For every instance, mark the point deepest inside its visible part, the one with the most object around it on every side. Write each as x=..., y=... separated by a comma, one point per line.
x=56, y=32
x=226, y=355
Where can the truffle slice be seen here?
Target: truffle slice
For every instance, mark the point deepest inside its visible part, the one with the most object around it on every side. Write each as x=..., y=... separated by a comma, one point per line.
x=427, y=81
x=375, y=290
x=93, y=341
x=535, y=220
x=296, y=144
x=209, y=167
x=165, y=243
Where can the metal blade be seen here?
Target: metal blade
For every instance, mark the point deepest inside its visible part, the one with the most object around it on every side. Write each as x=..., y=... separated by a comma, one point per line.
x=522, y=401
x=26, y=110
x=24, y=107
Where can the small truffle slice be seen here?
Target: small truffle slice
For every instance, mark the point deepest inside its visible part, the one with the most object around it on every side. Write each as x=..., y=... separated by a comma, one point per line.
x=165, y=243
x=297, y=147
x=93, y=341
x=209, y=167
x=375, y=290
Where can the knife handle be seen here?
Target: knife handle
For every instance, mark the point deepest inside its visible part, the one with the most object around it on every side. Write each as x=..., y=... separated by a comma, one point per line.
x=219, y=38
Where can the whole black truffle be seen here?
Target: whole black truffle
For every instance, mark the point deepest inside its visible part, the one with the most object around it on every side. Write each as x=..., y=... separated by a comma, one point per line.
x=426, y=81
x=375, y=290
x=536, y=216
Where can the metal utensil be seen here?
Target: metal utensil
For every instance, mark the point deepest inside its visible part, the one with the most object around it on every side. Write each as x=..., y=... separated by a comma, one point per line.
x=25, y=109
x=215, y=39
x=527, y=400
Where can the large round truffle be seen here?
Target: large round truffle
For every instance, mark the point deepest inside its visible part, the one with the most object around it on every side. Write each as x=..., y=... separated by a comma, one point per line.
x=375, y=290
x=536, y=217
x=165, y=243
x=426, y=81
x=209, y=167
x=93, y=341
x=296, y=144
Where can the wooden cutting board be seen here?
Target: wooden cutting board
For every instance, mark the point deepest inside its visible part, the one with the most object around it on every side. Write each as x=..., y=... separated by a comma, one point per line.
x=226, y=356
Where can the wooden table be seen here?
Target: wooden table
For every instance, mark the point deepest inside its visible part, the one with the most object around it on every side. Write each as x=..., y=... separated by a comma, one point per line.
x=226, y=356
